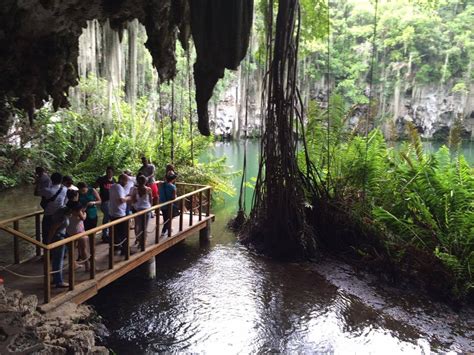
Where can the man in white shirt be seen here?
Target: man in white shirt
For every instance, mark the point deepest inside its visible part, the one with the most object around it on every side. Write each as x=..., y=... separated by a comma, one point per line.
x=53, y=199
x=117, y=210
x=132, y=180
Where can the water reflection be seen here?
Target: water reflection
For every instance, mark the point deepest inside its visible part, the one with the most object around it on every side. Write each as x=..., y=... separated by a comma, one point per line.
x=228, y=300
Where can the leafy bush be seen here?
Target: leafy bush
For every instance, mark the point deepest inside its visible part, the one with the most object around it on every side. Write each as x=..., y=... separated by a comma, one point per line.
x=419, y=201
x=84, y=140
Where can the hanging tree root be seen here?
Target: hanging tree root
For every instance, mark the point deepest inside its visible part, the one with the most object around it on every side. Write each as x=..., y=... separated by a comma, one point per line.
x=277, y=225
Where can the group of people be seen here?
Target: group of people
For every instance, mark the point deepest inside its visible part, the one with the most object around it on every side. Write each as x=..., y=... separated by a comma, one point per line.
x=70, y=209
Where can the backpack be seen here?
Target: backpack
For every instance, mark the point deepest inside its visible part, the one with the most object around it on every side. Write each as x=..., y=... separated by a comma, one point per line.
x=44, y=201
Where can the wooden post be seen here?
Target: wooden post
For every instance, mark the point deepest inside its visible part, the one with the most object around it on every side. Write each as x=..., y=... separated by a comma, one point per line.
x=208, y=207
x=47, y=275
x=127, y=255
x=205, y=233
x=191, y=211
x=70, y=249
x=38, y=233
x=181, y=214
x=16, y=243
x=111, y=247
x=200, y=206
x=143, y=240
x=170, y=215
x=157, y=229
x=92, y=255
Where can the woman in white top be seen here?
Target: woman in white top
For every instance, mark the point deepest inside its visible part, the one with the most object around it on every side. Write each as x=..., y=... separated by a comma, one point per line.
x=142, y=199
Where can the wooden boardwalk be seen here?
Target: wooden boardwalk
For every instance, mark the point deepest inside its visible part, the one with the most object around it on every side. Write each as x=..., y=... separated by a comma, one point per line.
x=33, y=276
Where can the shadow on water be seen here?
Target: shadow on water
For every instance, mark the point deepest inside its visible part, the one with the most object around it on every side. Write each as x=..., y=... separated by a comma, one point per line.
x=221, y=298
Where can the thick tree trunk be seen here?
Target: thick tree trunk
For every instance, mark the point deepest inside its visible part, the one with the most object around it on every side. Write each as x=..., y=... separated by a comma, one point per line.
x=277, y=224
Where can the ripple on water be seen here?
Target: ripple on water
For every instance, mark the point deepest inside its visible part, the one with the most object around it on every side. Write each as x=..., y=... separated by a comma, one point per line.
x=228, y=300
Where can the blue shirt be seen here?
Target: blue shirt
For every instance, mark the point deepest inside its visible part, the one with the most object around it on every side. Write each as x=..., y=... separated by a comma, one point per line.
x=167, y=192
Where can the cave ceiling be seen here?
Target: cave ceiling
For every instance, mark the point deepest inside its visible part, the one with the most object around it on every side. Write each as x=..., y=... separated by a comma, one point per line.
x=39, y=44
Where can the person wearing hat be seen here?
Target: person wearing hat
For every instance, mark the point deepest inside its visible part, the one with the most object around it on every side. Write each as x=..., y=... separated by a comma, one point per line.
x=168, y=193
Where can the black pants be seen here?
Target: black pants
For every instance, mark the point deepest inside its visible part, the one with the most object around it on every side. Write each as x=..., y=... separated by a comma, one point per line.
x=46, y=224
x=90, y=223
x=120, y=234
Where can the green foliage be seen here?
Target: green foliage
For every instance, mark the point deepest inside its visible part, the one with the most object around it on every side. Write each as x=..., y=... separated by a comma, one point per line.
x=419, y=42
x=420, y=201
x=84, y=140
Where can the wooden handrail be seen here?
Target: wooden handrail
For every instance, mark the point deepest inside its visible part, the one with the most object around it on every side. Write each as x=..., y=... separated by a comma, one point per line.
x=40, y=212
x=14, y=231
x=96, y=229
x=188, y=184
x=14, y=219
x=23, y=236
x=123, y=219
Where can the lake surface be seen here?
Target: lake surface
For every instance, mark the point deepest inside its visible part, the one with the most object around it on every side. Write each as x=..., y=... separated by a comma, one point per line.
x=220, y=298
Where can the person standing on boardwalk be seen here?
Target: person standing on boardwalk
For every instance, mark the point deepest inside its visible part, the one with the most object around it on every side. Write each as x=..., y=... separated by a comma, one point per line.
x=53, y=198
x=132, y=180
x=148, y=171
x=69, y=183
x=168, y=193
x=42, y=180
x=104, y=183
x=118, y=208
x=142, y=200
x=89, y=199
x=57, y=232
x=76, y=226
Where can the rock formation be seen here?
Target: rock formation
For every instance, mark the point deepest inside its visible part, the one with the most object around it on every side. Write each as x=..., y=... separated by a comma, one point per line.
x=25, y=331
x=39, y=44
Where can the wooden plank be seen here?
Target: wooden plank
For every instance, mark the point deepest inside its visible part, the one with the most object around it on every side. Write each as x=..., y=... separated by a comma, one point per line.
x=123, y=267
x=38, y=233
x=82, y=293
x=16, y=243
x=208, y=207
x=157, y=229
x=191, y=213
x=92, y=269
x=127, y=255
x=170, y=222
x=111, y=247
x=181, y=215
x=200, y=206
x=47, y=275
x=71, y=271
x=143, y=240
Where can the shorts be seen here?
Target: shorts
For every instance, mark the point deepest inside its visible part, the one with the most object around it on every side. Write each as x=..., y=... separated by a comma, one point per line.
x=154, y=190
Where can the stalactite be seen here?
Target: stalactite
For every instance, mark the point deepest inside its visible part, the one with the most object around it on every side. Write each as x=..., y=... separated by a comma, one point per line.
x=132, y=63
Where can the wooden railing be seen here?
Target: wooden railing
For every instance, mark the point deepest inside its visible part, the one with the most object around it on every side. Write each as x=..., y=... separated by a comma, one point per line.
x=188, y=202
